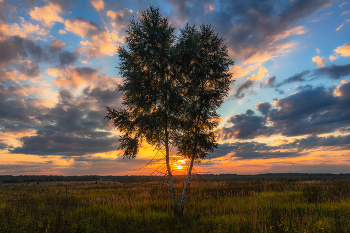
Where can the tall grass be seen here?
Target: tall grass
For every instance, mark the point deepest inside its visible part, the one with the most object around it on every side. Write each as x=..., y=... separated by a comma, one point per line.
x=240, y=206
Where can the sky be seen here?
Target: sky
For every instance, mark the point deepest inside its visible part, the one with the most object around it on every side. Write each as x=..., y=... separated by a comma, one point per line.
x=287, y=111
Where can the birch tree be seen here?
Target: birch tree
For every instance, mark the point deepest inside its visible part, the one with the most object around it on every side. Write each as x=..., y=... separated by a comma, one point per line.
x=150, y=94
x=172, y=89
x=202, y=67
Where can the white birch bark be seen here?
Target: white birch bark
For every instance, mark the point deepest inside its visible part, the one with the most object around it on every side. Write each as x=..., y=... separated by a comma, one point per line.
x=183, y=196
x=170, y=175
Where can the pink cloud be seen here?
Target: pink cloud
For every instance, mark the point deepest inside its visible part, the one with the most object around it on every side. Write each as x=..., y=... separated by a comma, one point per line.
x=341, y=5
x=98, y=4
x=58, y=44
x=99, y=43
x=24, y=29
x=343, y=51
x=47, y=15
x=345, y=12
x=294, y=31
x=62, y=31
x=319, y=61
x=73, y=77
x=260, y=75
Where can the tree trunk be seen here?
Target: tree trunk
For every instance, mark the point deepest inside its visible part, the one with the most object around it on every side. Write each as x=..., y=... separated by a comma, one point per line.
x=183, y=196
x=170, y=175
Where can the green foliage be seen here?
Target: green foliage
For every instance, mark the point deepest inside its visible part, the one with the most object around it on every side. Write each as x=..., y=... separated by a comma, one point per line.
x=201, y=65
x=149, y=94
x=273, y=206
x=172, y=88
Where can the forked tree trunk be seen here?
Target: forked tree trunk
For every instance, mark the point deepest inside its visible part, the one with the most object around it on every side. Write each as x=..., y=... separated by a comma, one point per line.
x=183, y=196
x=170, y=175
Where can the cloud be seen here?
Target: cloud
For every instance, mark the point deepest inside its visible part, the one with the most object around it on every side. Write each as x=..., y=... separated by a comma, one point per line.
x=18, y=106
x=28, y=70
x=255, y=31
x=252, y=150
x=118, y=21
x=240, y=91
x=260, y=75
x=333, y=57
x=345, y=12
x=321, y=17
x=16, y=48
x=67, y=58
x=319, y=61
x=245, y=126
x=333, y=71
x=343, y=50
x=315, y=142
x=83, y=27
x=270, y=82
x=299, y=77
x=62, y=31
x=23, y=52
x=98, y=4
x=99, y=41
x=47, y=143
x=238, y=71
x=47, y=15
x=342, y=90
x=119, y=16
x=76, y=125
x=255, y=150
x=24, y=29
x=341, y=5
x=338, y=28
x=57, y=46
x=294, y=31
x=74, y=77
x=263, y=107
x=318, y=51
x=309, y=111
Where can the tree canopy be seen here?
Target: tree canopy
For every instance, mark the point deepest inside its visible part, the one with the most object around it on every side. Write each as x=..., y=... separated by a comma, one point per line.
x=172, y=88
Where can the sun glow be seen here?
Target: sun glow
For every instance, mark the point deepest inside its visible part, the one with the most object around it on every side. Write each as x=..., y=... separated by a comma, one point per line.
x=180, y=164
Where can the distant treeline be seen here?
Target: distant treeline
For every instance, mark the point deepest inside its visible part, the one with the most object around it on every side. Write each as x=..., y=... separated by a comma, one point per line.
x=288, y=177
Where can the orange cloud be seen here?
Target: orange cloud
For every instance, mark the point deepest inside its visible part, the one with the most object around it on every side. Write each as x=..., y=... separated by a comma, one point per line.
x=117, y=22
x=238, y=71
x=115, y=15
x=58, y=44
x=340, y=27
x=99, y=43
x=98, y=4
x=338, y=91
x=260, y=75
x=53, y=71
x=294, y=31
x=73, y=76
x=319, y=61
x=265, y=55
x=343, y=50
x=24, y=29
x=333, y=57
x=47, y=15
x=62, y=31
x=209, y=7
x=8, y=75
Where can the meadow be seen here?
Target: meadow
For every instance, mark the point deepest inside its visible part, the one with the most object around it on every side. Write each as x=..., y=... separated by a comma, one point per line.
x=212, y=206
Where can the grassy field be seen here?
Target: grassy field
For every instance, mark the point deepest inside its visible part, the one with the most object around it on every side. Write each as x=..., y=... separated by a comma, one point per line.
x=237, y=206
